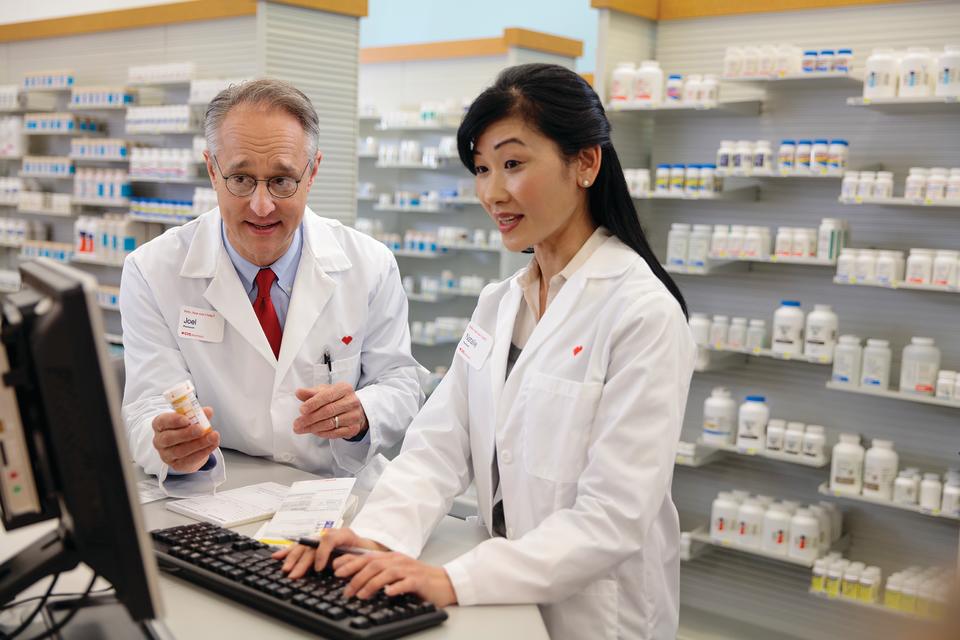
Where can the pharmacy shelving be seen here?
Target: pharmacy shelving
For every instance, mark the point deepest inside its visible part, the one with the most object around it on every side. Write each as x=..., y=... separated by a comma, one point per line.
x=950, y=104
x=428, y=128
x=913, y=508
x=709, y=269
x=199, y=181
x=895, y=395
x=367, y=156
x=11, y=244
x=700, y=459
x=824, y=78
x=769, y=353
x=798, y=459
x=367, y=198
x=390, y=208
x=101, y=107
x=418, y=166
x=406, y=253
x=66, y=132
x=101, y=202
x=775, y=259
x=190, y=131
x=727, y=195
x=100, y=262
x=47, y=212
x=798, y=175
x=170, y=221
x=162, y=84
x=44, y=176
x=106, y=306
x=704, y=538
x=902, y=202
x=907, y=286
x=93, y=159
x=879, y=608
x=113, y=338
x=460, y=201
x=722, y=107
x=470, y=247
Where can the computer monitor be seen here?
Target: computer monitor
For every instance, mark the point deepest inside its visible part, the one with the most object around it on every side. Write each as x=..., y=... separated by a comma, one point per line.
x=62, y=447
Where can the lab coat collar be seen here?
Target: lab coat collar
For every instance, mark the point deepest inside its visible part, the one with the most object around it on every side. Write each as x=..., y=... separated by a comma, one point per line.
x=321, y=254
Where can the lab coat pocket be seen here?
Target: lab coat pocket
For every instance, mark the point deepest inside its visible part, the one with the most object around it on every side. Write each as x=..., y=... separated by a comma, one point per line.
x=343, y=370
x=557, y=418
x=591, y=613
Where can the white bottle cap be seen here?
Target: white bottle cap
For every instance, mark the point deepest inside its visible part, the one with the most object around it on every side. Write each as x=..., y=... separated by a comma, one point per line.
x=877, y=342
x=925, y=342
x=815, y=429
x=883, y=444
x=850, y=438
x=178, y=391
x=822, y=307
x=848, y=339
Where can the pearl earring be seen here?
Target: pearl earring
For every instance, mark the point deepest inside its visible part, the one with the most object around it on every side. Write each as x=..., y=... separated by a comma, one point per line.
x=586, y=183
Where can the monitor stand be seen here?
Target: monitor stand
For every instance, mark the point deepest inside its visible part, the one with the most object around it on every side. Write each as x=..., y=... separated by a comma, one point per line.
x=102, y=617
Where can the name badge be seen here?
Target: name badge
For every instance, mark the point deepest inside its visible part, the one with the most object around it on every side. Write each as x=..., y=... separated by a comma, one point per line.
x=200, y=324
x=475, y=346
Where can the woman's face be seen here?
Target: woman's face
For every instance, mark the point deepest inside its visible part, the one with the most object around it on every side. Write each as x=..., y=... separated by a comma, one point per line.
x=532, y=192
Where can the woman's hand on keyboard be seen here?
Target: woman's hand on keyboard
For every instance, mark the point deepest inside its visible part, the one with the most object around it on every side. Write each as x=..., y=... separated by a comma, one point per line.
x=299, y=558
x=395, y=573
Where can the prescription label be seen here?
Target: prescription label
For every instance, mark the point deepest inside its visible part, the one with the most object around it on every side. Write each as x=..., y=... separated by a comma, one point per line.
x=200, y=324
x=475, y=346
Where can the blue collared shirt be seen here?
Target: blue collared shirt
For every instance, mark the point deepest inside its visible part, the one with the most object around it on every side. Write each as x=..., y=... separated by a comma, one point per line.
x=285, y=267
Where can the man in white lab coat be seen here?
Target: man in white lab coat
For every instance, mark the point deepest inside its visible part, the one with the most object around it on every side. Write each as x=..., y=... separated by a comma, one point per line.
x=292, y=327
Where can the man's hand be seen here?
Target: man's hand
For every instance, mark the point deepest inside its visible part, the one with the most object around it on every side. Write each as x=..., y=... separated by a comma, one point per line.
x=184, y=447
x=330, y=411
x=299, y=559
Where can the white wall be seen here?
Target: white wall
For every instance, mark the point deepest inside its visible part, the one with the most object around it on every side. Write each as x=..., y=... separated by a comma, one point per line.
x=14, y=11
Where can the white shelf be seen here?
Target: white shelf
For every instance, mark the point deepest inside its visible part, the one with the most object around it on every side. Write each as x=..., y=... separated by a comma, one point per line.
x=366, y=156
x=430, y=128
x=826, y=78
x=908, y=105
x=102, y=107
x=161, y=83
x=101, y=202
x=95, y=261
x=170, y=221
x=724, y=107
x=368, y=199
x=936, y=288
x=809, y=262
x=707, y=270
x=96, y=159
x=817, y=463
x=704, y=538
x=872, y=606
x=825, y=490
x=164, y=132
x=698, y=460
x=895, y=395
x=109, y=307
x=405, y=253
x=42, y=212
x=440, y=296
x=727, y=195
x=45, y=176
x=66, y=132
x=903, y=202
x=435, y=343
x=409, y=165
x=10, y=245
x=458, y=201
x=469, y=247
x=407, y=209
x=3, y=157
x=113, y=338
x=774, y=175
x=197, y=180
x=768, y=353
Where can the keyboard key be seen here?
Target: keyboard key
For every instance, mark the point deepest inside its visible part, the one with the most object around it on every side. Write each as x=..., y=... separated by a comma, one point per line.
x=360, y=622
x=336, y=613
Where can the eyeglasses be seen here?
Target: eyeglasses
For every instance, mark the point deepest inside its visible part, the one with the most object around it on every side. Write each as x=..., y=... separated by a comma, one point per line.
x=242, y=185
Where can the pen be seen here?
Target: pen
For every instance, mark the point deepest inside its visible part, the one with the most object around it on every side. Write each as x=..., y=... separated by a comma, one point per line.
x=327, y=361
x=313, y=543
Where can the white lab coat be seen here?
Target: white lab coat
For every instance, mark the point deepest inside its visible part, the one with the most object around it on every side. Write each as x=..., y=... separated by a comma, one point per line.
x=586, y=428
x=347, y=297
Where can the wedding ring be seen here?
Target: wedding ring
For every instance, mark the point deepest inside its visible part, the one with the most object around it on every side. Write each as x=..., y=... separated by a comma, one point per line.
x=336, y=422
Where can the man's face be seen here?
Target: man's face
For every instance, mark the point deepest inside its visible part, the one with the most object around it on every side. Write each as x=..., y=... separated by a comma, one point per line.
x=262, y=143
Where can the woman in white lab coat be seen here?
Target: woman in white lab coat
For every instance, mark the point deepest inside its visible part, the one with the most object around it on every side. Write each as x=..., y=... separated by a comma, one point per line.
x=564, y=401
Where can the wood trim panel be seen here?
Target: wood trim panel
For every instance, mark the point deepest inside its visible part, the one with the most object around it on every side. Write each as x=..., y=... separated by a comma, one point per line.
x=588, y=77
x=161, y=14
x=649, y=9
x=678, y=9
x=512, y=37
x=537, y=41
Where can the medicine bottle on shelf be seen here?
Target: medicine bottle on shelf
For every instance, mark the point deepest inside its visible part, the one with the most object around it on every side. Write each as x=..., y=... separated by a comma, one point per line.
x=846, y=471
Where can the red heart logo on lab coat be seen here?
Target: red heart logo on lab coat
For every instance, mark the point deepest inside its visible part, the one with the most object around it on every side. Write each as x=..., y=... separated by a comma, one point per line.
x=577, y=350
x=346, y=339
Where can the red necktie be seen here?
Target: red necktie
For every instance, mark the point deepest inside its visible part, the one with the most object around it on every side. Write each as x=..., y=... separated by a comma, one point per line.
x=266, y=314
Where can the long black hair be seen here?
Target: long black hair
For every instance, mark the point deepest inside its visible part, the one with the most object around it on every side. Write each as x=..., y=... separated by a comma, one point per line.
x=564, y=107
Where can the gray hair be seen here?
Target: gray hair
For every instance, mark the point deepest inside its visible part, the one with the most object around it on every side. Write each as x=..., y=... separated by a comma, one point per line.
x=264, y=92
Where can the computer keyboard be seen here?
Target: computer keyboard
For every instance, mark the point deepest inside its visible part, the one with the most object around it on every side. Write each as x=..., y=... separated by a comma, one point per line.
x=240, y=568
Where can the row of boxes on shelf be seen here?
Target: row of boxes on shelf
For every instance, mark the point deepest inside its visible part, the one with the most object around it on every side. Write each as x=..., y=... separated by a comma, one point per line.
x=749, y=427
x=777, y=61
x=108, y=238
x=411, y=152
x=99, y=97
x=870, y=367
x=807, y=157
x=165, y=164
x=430, y=114
x=875, y=474
x=442, y=330
x=9, y=280
x=431, y=242
x=647, y=84
x=793, y=333
x=108, y=296
x=161, y=73
x=676, y=180
x=10, y=189
x=174, y=211
x=12, y=142
x=921, y=185
x=45, y=201
x=58, y=79
x=108, y=185
x=445, y=283
x=692, y=246
x=914, y=591
x=99, y=148
x=174, y=118
x=924, y=267
x=915, y=73
x=60, y=123
x=15, y=231
x=407, y=151
x=784, y=528
x=47, y=166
